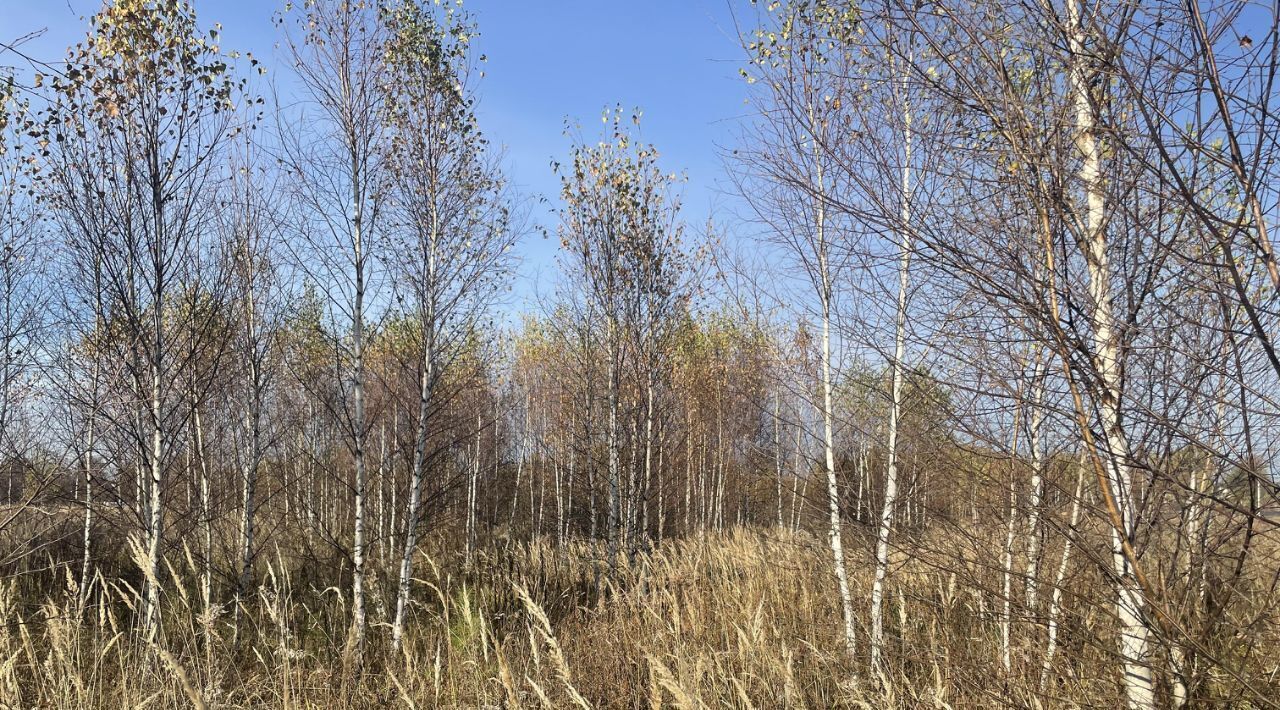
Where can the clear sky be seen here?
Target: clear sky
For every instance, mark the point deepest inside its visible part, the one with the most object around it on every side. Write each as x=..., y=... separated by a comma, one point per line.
x=548, y=61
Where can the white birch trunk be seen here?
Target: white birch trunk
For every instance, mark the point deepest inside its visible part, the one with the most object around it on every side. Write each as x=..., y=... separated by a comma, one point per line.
x=662, y=493
x=382, y=492
x=473, y=493
x=85, y=565
x=254, y=456
x=615, y=521
x=828, y=426
x=1006, y=566
x=895, y=412
x=650, y=386
x=417, y=473
x=359, y=433
x=1134, y=634
x=796, y=502
x=1035, y=501
x=688, y=475
x=833, y=493
x=151, y=618
x=1055, y=597
x=777, y=450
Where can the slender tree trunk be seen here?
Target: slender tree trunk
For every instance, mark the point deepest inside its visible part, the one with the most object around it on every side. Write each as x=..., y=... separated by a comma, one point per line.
x=796, y=501
x=1035, y=500
x=777, y=449
x=924, y=496
x=90, y=423
x=650, y=386
x=1134, y=641
x=359, y=430
x=631, y=499
x=573, y=461
x=558, y=476
x=537, y=498
x=515, y=490
x=85, y=565
x=382, y=491
x=863, y=484
x=393, y=483
x=473, y=492
x=833, y=493
x=1006, y=557
x=688, y=475
x=615, y=521
x=250, y=471
x=718, y=492
x=592, y=510
x=151, y=619
x=206, y=517
x=426, y=378
x=140, y=504
x=834, y=532
x=1055, y=597
x=705, y=486
x=895, y=410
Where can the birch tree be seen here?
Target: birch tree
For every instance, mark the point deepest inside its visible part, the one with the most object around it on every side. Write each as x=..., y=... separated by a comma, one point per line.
x=25, y=294
x=1091, y=234
x=137, y=123
x=617, y=206
x=904, y=238
x=252, y=239
x=449, y=214
x=803, y=113
x=334, y=155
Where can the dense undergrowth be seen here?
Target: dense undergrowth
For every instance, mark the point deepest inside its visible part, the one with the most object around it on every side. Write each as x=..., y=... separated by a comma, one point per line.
x=743, y=619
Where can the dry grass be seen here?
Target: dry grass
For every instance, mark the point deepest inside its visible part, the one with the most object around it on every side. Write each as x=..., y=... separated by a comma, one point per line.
x=743, y=619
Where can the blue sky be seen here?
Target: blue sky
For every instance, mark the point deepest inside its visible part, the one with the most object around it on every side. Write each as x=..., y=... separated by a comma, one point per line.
x=676, y=59
x=548, y=61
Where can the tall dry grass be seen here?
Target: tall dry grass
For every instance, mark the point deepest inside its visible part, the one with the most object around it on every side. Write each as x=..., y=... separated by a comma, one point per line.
x=743, y=619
